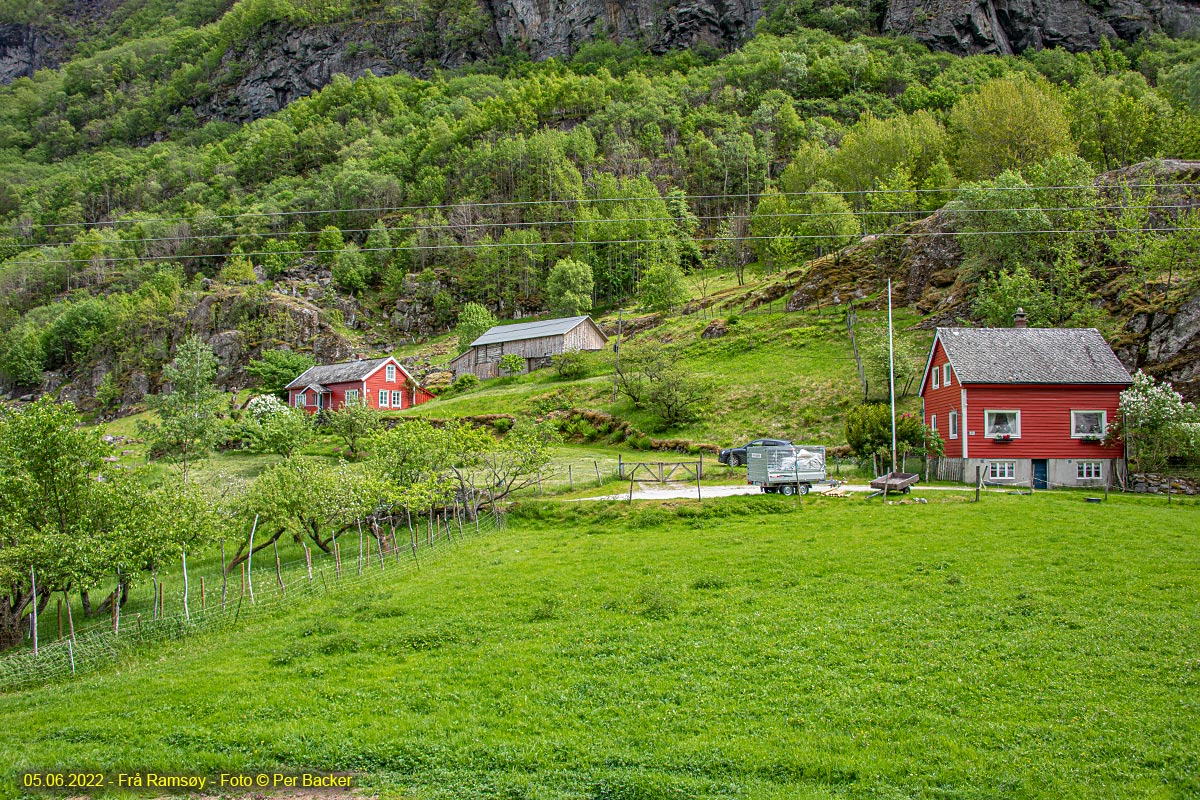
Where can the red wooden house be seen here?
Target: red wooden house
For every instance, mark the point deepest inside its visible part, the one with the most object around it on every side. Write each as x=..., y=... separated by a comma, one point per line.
x=1024, y=404
x=382, y=382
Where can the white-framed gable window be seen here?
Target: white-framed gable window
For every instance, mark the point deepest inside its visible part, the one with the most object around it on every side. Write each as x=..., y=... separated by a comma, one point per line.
x=1089, y=470
x=1002, y=470
x=933, y=422
x=390, y=370
x=953, y=424
x=1002, y=424
x=937, y=378
x=1089, y=424
x=397, y=399
x=383, y=398
x=946, y=374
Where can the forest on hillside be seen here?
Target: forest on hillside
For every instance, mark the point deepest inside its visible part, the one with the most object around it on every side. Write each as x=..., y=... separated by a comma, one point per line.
x=119, y=206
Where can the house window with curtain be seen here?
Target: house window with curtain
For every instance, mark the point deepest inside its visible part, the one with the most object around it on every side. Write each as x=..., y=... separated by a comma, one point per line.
x=391, y=373
x=1089, y=424
x=1002, y=424
x=383, y=398
x=397, y=399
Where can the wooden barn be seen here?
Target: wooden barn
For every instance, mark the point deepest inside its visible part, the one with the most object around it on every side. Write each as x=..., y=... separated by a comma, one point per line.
x=383, y=382
x=536, y=342
x=1025, y=405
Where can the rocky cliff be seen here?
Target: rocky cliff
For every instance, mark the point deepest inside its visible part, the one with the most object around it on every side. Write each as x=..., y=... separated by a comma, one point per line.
x=1011, y=26
x=25, y=49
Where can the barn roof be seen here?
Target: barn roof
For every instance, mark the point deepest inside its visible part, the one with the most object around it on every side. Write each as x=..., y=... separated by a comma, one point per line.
x=530, y=330
x=338, y=373
x=1030, y=355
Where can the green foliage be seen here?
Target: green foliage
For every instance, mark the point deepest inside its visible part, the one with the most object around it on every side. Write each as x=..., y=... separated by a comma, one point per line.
x=350, y=269
x=1008, y=124
x=512, y=364
x=473, y=321
x=869, y=433
x=282, y=432
x=353, y=423
x=662, y=287
x=378, y=251
x=186, y=426
x=277, y=368
x=238, y=268
x=569, y=288
x=464, y=383
x=329, y=246
x=570, y=365
x=655, y=377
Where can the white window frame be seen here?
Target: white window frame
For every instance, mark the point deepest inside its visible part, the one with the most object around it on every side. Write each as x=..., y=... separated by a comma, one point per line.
x=1103, y=423
x=1094, y=467
x=987, y=423
x=390, y=373
x=351, y=397
x=937, y=375
x=933, y=422
x=952, y=427
x=1008, y=468
x=302, y=400
x=946, y=374
x=397, y=398
x=383, y=398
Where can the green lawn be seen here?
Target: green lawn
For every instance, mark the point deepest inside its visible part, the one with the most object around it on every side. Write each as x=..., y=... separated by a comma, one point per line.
x=751, y=648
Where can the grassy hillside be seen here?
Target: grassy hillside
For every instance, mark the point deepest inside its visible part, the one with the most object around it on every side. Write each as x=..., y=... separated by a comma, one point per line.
x=775, y=373
x=1023, y=646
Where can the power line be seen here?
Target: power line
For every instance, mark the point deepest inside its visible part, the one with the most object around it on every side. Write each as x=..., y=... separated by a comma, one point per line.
x=914, y=214
x=406, y=248
x=744, y=196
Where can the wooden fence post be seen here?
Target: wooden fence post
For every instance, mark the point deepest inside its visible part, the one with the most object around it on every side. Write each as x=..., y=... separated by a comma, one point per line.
x=187, y=615
x=631, y=490
x=307, y=561
x=60, y=619
x=360, y=553
x=596, y=464
x=203, y=601
x=570, y=479
x=978, y=480
x=33, y=617
x=278, y=568
x=249, y=557
x=224, y=575
x=620, y=467
x=70, y=619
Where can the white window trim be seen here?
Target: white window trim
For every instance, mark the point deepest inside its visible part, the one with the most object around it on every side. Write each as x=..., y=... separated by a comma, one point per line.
x=1103, y=422
x=390, y=373
x=302, y=400
x=1010, y=467
x=933, y=422
x=383, y=398
x=937, y=375
x=351, y=397
x=1079, y=468
x=987, y=427
x=952, y=425
x=397, y=398
x=946, y=374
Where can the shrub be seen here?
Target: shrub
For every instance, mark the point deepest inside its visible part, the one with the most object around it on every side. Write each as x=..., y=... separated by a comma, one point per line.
x=570, y=365
x=464, y=383
x=501, y=424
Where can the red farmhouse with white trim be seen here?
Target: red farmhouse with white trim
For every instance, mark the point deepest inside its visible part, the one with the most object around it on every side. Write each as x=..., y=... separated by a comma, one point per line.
x=383, y=382
x=1024, y=404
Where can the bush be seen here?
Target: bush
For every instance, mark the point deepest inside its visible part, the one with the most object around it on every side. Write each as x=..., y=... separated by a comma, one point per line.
x=501, y=424
x=464, y=383
x=512, y=364
x=570, y=365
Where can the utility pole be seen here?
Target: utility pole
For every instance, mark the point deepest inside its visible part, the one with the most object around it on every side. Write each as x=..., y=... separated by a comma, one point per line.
x=892, y=374
x=617, y=351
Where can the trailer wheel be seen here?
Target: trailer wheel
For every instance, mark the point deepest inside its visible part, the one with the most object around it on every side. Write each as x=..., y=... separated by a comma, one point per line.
x=788, y=489
x=804, y=487
x=907, y=489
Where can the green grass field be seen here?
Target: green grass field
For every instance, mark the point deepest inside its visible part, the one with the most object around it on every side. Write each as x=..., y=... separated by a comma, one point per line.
x=750, y=648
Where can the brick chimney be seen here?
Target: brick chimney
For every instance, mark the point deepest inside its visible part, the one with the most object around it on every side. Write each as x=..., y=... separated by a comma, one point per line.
x=1019, y=318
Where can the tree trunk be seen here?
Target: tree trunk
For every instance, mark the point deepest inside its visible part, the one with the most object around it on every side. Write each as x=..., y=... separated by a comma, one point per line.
x=11, y=622
x=86, y=601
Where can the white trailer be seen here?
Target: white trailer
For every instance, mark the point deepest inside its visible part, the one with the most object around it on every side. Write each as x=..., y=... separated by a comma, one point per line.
x=786, y=469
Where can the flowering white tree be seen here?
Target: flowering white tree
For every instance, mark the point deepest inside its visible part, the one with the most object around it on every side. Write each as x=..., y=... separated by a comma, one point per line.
x=264, y=405
x=1156, y=423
